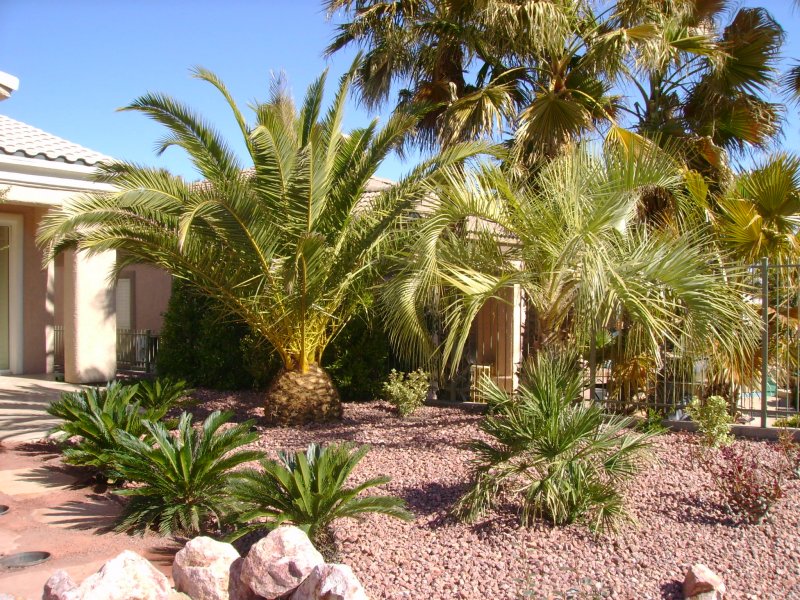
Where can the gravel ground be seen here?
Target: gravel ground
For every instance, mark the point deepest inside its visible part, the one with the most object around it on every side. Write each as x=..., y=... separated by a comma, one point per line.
x=678, y=521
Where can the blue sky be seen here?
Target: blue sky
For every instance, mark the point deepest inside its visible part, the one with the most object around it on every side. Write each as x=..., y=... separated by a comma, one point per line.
x=80, y=60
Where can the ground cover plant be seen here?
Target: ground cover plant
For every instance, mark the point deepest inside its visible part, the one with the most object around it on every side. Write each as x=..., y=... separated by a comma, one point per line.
x=309, y=489
x=560, y=458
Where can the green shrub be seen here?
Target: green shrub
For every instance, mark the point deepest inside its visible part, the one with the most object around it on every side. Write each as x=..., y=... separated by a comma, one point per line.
x=308, y=490
x=713, y=420
x=793, y=421
x=198, y=344
x=182, y=480
x=94, y=416
x=358, y=359
x=406, y=391
x=652, y=423
x=559, y=456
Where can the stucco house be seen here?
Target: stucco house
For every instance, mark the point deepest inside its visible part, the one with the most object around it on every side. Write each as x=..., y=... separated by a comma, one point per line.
x=73, y=296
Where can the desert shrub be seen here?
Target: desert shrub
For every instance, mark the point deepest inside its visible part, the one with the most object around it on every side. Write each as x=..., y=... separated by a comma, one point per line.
x=749, y=487
x=204, y=348
x=559, y=456
x=790, y=452
x=713, y=420
x=406, y=391
x=793, y=421
x=358, y=359
x=652, y=423
x=308, y=489
x=94, y=416
x=182, y=480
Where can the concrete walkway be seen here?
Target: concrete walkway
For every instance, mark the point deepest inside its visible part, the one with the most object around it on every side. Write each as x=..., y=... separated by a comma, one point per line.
x=23, y=406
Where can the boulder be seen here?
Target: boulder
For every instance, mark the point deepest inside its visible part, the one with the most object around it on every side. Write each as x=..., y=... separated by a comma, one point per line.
x=701, y=583
x=202, y=569
x=60, y=587
x=125, y=577
x=176, y=595
x=330, y=582
x=237, y=588
x=277, y=564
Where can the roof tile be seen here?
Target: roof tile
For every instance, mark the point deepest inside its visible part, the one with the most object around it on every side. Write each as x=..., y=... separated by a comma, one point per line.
x=21, y=139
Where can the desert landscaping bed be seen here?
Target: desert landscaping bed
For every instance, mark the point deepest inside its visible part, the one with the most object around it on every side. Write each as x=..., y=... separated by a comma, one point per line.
x=678, y=521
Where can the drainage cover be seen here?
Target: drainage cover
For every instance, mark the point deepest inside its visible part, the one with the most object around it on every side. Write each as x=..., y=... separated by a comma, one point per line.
x=23, y=559
x=3, y=509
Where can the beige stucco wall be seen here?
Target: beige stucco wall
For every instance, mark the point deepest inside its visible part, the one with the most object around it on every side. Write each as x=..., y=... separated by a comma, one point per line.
x=151, y=288
x=35, y=316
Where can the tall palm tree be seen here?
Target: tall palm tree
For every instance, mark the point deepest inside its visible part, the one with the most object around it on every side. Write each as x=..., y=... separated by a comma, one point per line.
x=573, y=240
x=286, y=246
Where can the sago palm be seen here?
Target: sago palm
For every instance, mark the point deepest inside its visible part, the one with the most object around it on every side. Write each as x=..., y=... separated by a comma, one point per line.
x=285, y=246
x=182, y=480
x=308, y=489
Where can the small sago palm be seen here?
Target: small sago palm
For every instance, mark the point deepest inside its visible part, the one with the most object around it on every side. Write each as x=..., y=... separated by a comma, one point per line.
x=183, y=480
x=286, y=246
x=308, y=490
x=94, y=417
x=558, y=455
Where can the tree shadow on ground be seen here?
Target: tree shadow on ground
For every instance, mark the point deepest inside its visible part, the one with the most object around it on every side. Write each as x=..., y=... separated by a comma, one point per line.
x=96, y=513
x=433, y=498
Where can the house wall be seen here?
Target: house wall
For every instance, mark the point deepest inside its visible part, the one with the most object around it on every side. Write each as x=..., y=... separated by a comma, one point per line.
x=36, y=318
x=151, y=288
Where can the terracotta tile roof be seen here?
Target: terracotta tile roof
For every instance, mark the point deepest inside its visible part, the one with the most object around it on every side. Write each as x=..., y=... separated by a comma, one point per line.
x=21, y=139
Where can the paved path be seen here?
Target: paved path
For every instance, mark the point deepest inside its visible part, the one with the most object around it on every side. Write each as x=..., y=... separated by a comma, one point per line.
x=23, y=406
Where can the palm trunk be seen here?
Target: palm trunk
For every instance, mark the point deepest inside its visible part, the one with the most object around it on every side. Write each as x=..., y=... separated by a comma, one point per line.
x=296, y=397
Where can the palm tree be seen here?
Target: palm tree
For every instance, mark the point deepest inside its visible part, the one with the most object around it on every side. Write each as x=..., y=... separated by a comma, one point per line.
x=286, y=246
x=758, y=216
x=572, y=239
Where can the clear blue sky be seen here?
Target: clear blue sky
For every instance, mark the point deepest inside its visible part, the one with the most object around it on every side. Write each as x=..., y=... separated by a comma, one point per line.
x=79, y=60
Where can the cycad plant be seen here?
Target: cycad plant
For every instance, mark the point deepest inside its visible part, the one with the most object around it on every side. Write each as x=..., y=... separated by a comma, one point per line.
x=162, y=392
x=94, y=416
x=554, y=453
x=182, y=480
x=286, y=246
x=308, y=489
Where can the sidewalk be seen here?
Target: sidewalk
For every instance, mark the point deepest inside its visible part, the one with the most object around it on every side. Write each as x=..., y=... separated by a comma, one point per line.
x=23, y=406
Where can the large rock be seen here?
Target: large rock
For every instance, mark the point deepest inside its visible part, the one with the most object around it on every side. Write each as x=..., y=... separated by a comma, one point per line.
x=60, y=587
x=237, y=588
x=125, y=577
x=202, y=569
x=280, y=562
x=701, y=583
x=331, y=582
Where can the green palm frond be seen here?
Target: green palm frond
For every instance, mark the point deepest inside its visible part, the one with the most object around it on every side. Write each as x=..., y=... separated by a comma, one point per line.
x=308, y=489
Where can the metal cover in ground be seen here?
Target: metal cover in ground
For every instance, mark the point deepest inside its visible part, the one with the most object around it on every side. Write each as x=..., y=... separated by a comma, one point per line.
x=3, y=509
x=21, y=560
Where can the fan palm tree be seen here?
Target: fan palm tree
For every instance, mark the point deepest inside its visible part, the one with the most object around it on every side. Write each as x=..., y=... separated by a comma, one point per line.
x=759, y=215
x=286, y=246
x=572, y=240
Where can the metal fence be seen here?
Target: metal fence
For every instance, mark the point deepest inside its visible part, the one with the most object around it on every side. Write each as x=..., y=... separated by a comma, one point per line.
x=763, y=392
x=137, y=350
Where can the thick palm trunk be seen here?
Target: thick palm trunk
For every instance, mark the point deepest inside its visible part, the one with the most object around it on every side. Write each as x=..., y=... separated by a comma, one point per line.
x=295, y=398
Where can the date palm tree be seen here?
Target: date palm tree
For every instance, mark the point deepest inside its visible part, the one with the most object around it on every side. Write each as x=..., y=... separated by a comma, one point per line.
x=286, y=246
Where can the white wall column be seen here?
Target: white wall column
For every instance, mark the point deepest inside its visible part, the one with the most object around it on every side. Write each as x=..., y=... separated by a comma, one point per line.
x=90, y=321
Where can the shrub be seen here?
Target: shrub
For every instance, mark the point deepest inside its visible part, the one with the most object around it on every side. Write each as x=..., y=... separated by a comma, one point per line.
x=790, y=452
x=713, y=420
x=559, y=456
x=406, y=391
x=748, y=487
x=652, y=423
x=308, y=490
x=793, y=421
x=206, y=349
x=358, y=359
x=182, y=481
x=94, y=416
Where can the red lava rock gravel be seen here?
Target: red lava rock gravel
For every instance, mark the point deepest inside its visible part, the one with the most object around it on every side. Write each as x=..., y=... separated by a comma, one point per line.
x=679, y=521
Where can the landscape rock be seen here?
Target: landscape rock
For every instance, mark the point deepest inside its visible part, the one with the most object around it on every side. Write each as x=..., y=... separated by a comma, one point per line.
x=202, y=569
x=176, y=595
x=701, y=583
x=237, y=588
x=331, y=582
x=277, y=564
x=60, y=587
x=128, y=576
